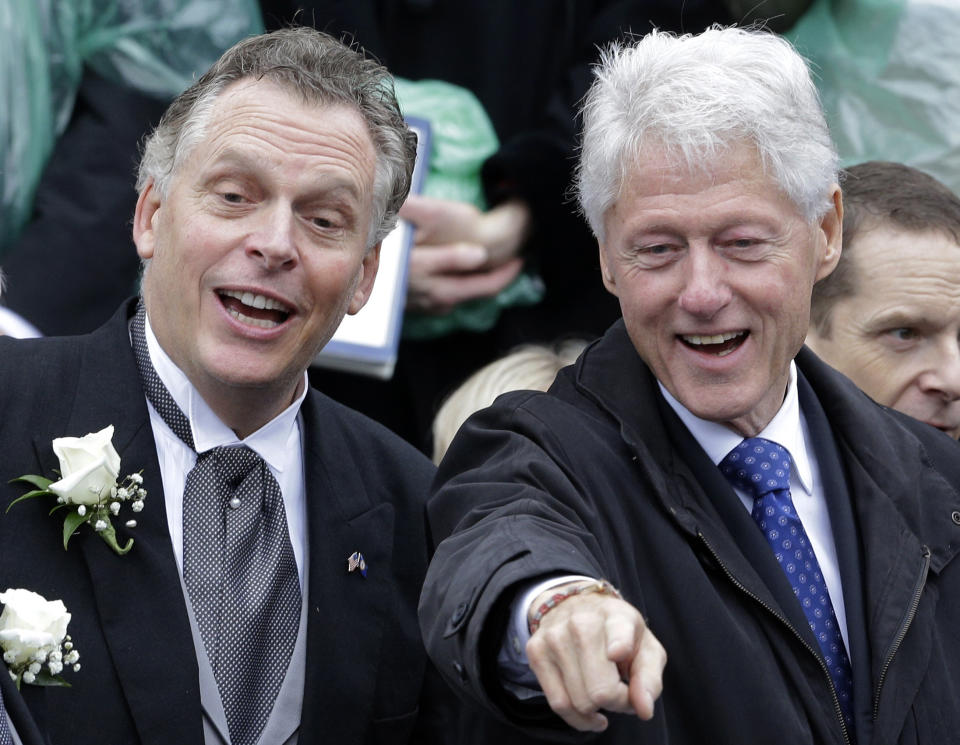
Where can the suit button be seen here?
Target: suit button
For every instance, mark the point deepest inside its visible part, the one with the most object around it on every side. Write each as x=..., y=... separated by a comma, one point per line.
x=955, y=517
x=460, y=671
x=459, y=613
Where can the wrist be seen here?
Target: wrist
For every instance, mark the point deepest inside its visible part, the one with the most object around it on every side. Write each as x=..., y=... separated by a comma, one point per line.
x=506, y=227
x=549, y=600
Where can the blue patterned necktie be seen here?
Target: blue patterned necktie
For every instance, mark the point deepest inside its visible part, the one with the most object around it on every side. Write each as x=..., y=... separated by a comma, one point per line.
x=5, y=737
x=238, y=564
x=761, y=468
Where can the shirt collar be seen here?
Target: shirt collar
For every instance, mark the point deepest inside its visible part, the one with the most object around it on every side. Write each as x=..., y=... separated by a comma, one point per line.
x=270, y=442
x=786, y=429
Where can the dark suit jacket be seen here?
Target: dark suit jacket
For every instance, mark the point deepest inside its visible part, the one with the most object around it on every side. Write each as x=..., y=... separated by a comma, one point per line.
x=365, y=667
x=600, y=477
x=19, y=713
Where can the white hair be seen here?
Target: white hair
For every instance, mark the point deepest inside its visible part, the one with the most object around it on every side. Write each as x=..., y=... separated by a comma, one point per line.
x=696, y=97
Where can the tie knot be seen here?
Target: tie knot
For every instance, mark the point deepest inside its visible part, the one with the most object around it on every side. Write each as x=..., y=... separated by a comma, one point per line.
x=757, y=466
x=234, y=463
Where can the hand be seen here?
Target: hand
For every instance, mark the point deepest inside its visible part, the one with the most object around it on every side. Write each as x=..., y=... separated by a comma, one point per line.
x=594, y=652
x=461, y=253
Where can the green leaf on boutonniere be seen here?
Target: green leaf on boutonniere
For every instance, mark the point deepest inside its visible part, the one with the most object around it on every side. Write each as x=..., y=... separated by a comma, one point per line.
x=71, y=522
x=46, y=679
x=29, y=495
x=110, y=536
x=38, y=481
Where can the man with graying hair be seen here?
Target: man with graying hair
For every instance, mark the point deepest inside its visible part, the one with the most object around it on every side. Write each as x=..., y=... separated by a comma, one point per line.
x=701, y=532
x=278, y=545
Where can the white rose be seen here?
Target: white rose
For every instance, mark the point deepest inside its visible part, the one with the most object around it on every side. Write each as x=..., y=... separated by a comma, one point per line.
x=30, y=624
x=88, y=466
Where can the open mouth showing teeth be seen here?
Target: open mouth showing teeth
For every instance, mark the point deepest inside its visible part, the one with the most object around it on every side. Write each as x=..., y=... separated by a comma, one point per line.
x=255, y=310
x=718, y=344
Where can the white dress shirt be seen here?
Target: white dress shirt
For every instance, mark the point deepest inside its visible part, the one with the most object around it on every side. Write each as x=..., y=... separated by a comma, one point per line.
x=278, y=442
x=788, y=428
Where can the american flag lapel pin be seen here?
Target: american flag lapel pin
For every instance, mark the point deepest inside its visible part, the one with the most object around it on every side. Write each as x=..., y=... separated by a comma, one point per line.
x=356, y=562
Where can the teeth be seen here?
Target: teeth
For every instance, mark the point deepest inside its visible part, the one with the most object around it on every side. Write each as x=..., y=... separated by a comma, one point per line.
x=714, y=339
x=261, y=322
x=255, y=301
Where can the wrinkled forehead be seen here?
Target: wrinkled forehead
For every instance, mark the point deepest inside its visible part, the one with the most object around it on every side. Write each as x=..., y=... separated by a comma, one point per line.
x=668, y=171
x=248, y=100
x=271, y=122
x=715, y=163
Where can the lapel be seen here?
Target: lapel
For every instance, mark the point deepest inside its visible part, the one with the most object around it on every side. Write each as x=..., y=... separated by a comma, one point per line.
x=138, y=596
x=902, y=507
x=17, y=709
x=346, y=611
x=846, y=540
x=734, y=538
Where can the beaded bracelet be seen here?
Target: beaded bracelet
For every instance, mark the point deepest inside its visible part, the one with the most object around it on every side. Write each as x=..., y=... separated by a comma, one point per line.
x=600, y=586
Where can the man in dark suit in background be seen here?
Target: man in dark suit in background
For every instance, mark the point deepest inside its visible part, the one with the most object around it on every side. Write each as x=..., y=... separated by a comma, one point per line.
x=270, y=592
x=698, y=486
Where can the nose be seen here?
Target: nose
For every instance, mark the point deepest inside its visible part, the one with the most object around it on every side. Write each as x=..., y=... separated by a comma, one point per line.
x=943, y=378
x=272, y=242
x=705, y=290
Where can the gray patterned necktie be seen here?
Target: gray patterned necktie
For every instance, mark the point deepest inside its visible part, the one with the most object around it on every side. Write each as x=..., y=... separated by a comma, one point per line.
x=238, y=565
x=5, y=737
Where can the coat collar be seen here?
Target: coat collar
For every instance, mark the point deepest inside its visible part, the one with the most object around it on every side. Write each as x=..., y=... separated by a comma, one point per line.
x=886, y=456
x=893, y=465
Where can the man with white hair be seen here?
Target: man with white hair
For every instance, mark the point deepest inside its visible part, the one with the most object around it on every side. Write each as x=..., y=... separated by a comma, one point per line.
x=701, y=533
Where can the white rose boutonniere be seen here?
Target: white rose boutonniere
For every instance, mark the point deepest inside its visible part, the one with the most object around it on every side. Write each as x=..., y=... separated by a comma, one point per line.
x=34, y=640
x=88, y=487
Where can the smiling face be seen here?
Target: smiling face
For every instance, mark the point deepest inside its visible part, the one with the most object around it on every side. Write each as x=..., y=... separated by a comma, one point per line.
x=898, y=335
x=259, y=247
x=714, y=273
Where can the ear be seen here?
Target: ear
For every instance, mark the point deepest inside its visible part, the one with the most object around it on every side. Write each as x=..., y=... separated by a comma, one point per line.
x=831, y=233
x=368, y=272
x=608, y=280
x=144, y=220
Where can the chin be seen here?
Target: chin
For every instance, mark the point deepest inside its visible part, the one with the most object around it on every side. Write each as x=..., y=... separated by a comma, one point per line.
x=716, y=409
x=238, y=372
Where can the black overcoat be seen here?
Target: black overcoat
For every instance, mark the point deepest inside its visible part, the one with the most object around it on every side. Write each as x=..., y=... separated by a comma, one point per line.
x=599, y=477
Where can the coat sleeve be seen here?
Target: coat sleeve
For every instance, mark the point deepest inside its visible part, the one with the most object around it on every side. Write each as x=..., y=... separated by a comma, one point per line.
x=506, y=508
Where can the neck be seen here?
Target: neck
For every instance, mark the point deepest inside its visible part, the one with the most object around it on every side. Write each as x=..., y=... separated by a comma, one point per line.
x=245, y=410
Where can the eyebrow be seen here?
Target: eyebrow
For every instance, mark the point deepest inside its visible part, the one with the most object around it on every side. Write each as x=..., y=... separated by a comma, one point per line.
x=897, y=318
x=753, y=226
x=332, y=185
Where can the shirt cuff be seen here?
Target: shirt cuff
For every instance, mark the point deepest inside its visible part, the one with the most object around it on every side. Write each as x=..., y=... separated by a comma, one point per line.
x=515, y=673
